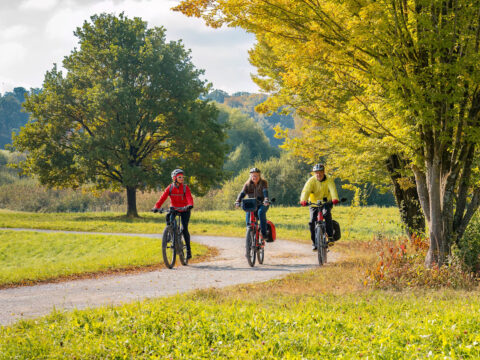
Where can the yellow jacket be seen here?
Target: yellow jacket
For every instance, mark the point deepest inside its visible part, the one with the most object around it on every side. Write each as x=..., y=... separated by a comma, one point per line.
x=315, y=190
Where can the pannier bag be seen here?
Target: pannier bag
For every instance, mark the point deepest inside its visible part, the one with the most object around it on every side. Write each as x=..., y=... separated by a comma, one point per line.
x=336, y=230
x=249, y=204
x=271, y=232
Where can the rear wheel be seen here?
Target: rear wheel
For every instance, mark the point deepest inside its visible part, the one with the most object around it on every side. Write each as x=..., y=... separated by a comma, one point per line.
x=250, y=247
x=182, y=249
x=168, y=247
x=319, y=244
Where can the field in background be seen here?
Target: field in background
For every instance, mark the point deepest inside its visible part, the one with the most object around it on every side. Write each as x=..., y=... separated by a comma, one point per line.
x=357, y=223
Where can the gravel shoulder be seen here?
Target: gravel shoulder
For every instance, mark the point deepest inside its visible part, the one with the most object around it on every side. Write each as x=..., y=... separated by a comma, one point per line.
x=230, y=267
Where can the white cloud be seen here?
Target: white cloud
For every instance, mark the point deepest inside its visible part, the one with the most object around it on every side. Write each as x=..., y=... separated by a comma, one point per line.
x=38, y=4
x=12, y=54
x=14, y=32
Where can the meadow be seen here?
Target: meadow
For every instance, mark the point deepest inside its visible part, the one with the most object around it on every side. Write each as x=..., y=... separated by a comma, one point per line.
x=326, y=313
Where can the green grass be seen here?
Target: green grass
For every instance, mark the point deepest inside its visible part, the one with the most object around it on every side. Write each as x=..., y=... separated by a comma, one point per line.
x=291, y=222
x=27, y=257
x=372, y=325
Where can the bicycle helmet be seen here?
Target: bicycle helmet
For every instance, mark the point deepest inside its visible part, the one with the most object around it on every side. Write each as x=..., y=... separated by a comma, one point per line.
x=176, y=172
x=318, y=167
x=255, y=170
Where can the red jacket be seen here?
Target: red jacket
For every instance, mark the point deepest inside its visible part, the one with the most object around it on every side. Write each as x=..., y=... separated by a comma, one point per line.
x=177, y=197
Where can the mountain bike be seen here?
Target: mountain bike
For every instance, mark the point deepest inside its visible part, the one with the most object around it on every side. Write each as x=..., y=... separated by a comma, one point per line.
x=172, y=240
x=321, y=236
x=254, y=245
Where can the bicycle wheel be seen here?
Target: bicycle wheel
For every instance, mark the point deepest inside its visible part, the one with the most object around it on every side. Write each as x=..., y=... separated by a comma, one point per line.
x=168, y=247
x=250, y=247
x=260, y=253
x=319, y=243
x=325, y=248
x=182, y=249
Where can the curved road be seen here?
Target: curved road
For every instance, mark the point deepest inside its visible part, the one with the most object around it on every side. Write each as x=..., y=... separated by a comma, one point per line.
x=230, y=267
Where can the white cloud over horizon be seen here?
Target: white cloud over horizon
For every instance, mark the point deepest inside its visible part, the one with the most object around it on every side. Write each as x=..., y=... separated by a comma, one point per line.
x=35, y=34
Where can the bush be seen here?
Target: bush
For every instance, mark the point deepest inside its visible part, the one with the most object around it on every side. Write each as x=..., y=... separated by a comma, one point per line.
x=401, y=265
x=468, y=249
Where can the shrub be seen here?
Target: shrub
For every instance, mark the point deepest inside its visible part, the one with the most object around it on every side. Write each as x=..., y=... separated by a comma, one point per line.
x=401, y=265
x=468, y=248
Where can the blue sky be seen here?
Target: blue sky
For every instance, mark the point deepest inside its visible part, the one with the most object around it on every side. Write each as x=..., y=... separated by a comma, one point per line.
x=35, y=34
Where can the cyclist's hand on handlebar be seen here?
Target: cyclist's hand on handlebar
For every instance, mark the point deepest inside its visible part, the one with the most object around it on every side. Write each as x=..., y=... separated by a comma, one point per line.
x=303, y=203
x=237, y=204
x=266, y=202
x=155, y=210
x=335, y=201
x=189, y=207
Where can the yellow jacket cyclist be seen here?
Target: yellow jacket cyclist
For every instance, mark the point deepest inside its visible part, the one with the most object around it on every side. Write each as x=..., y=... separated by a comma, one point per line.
x=317, y=188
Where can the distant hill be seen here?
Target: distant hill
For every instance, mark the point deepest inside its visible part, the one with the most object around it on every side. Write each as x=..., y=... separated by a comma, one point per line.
x=246, y=102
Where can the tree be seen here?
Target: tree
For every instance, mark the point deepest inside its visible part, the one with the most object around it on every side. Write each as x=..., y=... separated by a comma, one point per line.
x=11, y=116
x=124, y=115
x=401, y=76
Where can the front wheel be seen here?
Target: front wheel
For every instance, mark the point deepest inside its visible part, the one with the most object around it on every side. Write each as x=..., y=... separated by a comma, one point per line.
x=182, y=248
x=250, y=247
x=319, y=244
x=168, y=247
x=261, y=252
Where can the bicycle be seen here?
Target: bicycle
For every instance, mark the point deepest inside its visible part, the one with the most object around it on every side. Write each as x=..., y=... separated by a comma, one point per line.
x=321, y=237
x=254, y=246
x=172, y=239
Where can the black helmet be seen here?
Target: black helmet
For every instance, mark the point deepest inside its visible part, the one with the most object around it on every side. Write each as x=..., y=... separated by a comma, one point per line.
x=257, y=170
x=318, y=167
x=176, y=172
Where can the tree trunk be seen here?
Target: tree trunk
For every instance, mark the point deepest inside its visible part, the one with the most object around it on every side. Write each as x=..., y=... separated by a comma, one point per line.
x=132, y=202
x=407, y=199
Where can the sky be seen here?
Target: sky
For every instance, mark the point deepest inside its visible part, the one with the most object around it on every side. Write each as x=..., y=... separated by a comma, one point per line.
x=35, y=34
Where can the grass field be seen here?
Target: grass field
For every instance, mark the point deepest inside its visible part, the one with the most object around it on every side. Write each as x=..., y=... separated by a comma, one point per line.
x=27, y=257
x=291, y=222
x=322, y=313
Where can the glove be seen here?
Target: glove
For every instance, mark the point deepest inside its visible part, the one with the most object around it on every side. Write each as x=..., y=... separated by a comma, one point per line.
x=189, y=207
x=335, y=201
x=154, y=210
x=303, y=203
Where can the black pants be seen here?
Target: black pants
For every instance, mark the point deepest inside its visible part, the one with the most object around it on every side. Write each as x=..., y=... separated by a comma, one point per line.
x=313, y=218
x=185, y=218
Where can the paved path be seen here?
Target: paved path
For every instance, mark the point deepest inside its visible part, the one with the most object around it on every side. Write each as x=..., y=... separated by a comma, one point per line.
x=230, y=267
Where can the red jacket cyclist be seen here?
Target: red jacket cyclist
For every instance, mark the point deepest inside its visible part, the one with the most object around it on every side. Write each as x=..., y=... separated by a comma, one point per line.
x=180, y=196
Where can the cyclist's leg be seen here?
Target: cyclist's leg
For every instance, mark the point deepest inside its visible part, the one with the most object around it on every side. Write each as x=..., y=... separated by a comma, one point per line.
x=311, y=224
x=185, y=216
x=262, y=215
x=247, y=218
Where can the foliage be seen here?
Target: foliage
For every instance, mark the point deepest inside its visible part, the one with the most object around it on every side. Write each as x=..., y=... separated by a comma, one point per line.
x=126, y=113
x=468, y=248
x=246, y=103
x=246, y=139
x=11, y=116
x=401, y=265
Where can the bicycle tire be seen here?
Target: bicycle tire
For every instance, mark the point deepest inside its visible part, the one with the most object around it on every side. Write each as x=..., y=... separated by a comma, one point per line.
x=250, y=247
x=325, y=248
x=260, y=254
x=181, y=249
x=319, y=244
x=168, y=247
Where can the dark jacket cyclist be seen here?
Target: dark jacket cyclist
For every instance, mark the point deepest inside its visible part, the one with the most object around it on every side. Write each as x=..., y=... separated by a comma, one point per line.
x=317, y=188
x=256, y=188
x=180, y=196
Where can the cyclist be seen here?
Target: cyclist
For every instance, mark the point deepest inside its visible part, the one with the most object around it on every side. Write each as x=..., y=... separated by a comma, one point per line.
x=317, y=188
x=180, y=196
x=256, y=188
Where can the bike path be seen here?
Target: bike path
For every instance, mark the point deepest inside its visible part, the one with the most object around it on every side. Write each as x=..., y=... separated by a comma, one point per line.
x=230, y=267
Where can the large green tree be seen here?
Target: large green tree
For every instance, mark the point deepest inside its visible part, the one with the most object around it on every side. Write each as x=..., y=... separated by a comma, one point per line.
x=396, y=76
x=126, y=112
